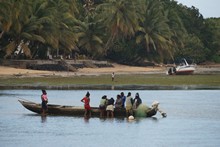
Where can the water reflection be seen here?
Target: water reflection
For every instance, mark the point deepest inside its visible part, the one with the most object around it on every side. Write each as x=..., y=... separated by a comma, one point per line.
x=86, y=119
x=120, y=120
x=154, y=119
x=131, y=120
x=117, y=120
x=43, y=118
x=102, y=119
x=188, y=111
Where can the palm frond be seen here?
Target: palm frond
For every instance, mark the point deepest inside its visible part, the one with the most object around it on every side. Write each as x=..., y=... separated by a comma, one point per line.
x=10, y=49
x=26, y=50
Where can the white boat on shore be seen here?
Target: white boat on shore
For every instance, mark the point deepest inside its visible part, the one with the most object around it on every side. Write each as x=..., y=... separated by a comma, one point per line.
x=183, y=69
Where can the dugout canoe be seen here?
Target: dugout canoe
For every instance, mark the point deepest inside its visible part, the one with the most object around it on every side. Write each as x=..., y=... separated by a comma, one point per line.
x=62, y=110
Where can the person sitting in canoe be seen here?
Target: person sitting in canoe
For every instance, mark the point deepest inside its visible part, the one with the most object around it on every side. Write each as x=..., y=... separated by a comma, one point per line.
x=118, y=102
x=110, y=107
x=129, y=103
x=86, y=101
x=137, y=101
x=44, y=102
x=102, y=105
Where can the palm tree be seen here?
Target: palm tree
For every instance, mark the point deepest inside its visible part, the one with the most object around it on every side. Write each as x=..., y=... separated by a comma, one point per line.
x=42, y=22
x=155, y=33
x=5, y=16
x=88, y=33
x=43, y=13
x=73, y=7
x=19, y=31
x=121, y=18
x=175, y=23
x=64, y=21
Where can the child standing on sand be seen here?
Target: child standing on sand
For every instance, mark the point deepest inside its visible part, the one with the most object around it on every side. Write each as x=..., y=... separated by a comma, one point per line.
x=113, y=76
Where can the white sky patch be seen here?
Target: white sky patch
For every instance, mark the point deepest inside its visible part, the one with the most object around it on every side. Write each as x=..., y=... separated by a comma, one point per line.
x=208, y=8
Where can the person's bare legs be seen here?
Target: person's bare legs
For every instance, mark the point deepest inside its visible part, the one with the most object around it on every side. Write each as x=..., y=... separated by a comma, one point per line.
x=89, y=113
x=101, y=113
x=112, y=114
x=43, y=112
x=85, y=113
x=108, y=114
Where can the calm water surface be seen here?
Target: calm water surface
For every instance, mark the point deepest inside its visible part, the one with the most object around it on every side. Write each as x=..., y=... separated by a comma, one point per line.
x=193, y=120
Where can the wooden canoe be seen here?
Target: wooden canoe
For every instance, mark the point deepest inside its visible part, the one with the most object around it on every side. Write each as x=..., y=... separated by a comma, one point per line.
x=62, y=110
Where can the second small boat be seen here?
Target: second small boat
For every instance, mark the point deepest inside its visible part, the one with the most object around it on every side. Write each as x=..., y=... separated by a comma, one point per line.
x=183, y=69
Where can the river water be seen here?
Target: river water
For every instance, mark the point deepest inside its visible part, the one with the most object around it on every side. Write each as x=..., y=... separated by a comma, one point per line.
x=193, y=120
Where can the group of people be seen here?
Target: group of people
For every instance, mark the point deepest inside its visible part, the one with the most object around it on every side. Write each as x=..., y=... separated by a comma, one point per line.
x=108, y=105
x=121, y=102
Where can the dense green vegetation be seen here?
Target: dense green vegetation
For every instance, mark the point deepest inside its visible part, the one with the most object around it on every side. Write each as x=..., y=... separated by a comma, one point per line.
x=130, y=31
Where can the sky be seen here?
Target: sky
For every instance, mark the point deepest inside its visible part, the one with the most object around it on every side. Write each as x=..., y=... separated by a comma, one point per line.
x=208, y=8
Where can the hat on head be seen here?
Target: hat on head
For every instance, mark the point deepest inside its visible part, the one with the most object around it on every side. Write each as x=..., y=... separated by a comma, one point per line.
x=155, y=104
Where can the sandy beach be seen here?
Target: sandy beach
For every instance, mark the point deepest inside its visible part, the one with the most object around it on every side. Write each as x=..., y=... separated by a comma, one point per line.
x=117, y=69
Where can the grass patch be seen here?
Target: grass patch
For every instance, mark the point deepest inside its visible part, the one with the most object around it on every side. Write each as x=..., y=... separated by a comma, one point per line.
x=161, y=80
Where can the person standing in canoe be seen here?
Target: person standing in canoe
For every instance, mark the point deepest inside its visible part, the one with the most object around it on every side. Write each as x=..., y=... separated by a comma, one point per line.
x=129, y=105
x=44, y=102
x=137, y=101
x=118, y=102
x=110, y=108
x=102, y=105
x=86, y=101
x=123, y=97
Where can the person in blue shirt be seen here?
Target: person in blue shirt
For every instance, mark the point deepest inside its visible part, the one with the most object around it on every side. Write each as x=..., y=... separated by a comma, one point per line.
x=123, y=97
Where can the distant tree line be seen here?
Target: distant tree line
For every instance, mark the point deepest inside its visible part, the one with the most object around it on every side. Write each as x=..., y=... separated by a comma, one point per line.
x=125, y=31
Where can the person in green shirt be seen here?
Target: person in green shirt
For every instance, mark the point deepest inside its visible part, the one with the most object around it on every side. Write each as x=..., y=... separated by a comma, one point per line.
x=102, y=105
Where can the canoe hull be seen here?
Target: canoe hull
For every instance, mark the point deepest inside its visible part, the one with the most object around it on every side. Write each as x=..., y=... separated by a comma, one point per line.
x=74, y=110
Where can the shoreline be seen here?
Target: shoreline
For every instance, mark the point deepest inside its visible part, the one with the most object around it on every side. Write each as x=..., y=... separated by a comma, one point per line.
x=6, y=71
x=111, y=87
x=10, y=73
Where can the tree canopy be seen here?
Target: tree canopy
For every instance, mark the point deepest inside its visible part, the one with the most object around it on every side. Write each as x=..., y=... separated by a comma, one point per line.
x=125, y=31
